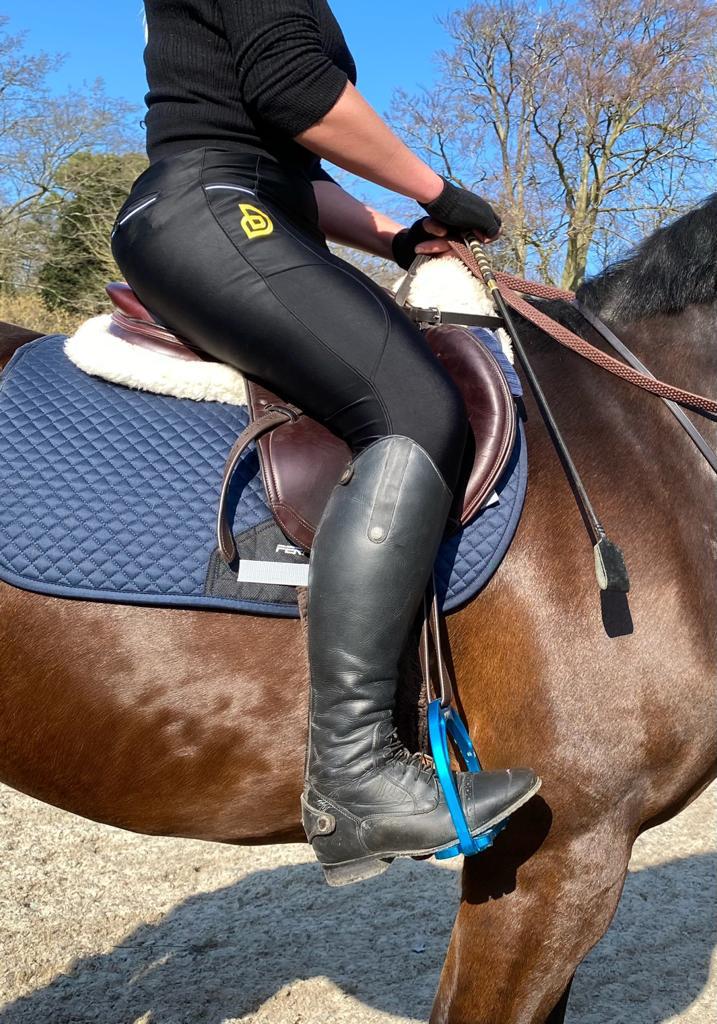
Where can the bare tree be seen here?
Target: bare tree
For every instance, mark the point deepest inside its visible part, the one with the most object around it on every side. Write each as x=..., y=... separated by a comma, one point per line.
x=583, y=120
x=39, y=133
x=622, y=125
x=77, y=261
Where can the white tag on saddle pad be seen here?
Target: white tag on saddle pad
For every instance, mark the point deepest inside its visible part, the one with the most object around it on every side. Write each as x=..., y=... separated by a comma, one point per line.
x=284, y=574
x=288, y=574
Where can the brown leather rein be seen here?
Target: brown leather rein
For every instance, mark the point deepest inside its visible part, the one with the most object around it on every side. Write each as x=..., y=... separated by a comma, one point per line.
x=636, y=373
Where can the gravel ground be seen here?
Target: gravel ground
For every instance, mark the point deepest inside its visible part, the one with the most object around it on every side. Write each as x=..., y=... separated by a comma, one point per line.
x=97, y=925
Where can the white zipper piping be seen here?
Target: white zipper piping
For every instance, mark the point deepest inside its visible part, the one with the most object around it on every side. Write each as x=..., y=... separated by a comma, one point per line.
x=234, y=188
x=127, y=216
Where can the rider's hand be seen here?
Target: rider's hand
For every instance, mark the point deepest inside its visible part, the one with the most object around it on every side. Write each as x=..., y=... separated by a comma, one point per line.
x=458, y=208
x=424, y=236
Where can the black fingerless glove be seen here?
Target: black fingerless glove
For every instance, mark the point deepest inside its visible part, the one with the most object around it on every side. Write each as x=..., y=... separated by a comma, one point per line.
x=404, y=243
x=458, y=208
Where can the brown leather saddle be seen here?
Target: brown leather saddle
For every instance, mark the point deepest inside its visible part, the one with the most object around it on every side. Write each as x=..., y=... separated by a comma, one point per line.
x=302, y=461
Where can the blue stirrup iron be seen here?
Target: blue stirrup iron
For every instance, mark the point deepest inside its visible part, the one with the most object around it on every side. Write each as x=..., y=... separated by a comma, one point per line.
x=444, y=722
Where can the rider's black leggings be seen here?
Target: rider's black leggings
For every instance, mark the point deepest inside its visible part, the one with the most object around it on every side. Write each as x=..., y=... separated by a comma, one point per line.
x=225, y=249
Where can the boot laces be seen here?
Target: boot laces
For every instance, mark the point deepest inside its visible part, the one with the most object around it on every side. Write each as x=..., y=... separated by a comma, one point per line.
x=394, y=751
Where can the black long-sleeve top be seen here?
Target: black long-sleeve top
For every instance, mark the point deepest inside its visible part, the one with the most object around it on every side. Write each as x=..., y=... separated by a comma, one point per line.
x=242, y=74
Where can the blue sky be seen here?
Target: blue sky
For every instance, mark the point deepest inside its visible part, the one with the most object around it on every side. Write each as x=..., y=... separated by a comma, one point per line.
x=392, y=41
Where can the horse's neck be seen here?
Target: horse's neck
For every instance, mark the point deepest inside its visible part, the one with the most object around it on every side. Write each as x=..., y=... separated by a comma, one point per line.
x=638, y=463
x=681, y=350
x=658, y=482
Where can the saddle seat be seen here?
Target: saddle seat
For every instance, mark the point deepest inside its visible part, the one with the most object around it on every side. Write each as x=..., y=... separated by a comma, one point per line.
x=302, y=461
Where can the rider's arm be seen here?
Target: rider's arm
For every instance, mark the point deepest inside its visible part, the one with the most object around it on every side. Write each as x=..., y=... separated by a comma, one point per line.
x=352, y=135
x=288, y=82
x=317, y=172
x=348, y=221
x=284, y=76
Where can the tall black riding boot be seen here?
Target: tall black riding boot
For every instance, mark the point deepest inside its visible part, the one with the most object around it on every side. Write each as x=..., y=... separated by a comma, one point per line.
x=366, y=798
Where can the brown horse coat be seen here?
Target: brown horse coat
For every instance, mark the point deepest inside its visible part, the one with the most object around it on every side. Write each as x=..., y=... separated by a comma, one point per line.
x=193, y=723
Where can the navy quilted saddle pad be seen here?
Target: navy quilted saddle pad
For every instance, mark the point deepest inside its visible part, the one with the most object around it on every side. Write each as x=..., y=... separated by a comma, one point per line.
x=110, y=493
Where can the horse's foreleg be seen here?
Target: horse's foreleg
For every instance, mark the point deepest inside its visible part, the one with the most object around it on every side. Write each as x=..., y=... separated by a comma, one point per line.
x=560, y=1009
x=526, y=922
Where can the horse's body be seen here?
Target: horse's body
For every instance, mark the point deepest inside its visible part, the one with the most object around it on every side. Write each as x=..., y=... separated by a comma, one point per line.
x=192, y=723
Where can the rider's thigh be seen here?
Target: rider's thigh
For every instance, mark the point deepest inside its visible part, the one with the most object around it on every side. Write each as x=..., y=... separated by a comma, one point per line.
x=244, y=283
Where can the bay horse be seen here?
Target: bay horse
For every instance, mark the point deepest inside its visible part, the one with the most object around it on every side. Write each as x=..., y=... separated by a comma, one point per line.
x=192, y=723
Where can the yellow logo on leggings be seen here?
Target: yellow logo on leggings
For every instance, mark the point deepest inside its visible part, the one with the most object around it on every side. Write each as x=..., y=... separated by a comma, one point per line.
x=254, y=222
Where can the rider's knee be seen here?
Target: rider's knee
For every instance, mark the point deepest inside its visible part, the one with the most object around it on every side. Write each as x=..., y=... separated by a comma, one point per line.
x=449, y=427
x=437, y=419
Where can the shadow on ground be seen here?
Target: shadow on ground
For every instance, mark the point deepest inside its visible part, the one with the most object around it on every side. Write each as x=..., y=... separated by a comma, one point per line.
x=221, y=955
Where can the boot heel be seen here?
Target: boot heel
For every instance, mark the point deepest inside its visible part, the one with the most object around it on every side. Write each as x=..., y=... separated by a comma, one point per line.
x=355, y=871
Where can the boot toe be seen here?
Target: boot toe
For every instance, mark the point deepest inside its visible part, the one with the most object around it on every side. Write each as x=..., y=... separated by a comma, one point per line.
x=523, y=782
x=489, y=797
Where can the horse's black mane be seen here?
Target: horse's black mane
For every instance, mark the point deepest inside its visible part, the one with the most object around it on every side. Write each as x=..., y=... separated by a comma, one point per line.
x=673, y=268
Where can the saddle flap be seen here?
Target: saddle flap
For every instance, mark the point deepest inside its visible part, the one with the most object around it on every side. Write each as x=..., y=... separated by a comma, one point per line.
x=302, y=461
x=491, y=414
